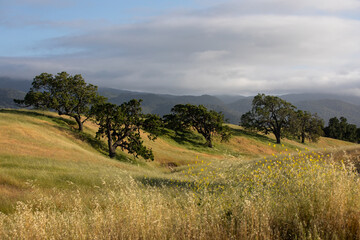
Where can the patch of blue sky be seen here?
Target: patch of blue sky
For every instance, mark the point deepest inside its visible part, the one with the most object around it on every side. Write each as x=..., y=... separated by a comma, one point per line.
x=94, y=9
x=30, y=40
x=26, y=25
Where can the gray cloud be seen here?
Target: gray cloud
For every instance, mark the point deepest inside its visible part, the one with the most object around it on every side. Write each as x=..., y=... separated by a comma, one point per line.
x=221, y=52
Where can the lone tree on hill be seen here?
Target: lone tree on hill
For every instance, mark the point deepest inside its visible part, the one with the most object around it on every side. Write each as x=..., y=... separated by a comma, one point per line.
x=207, y=123
x=269, y=114
x=66, y=94
x=304, y=125
x=122, y=124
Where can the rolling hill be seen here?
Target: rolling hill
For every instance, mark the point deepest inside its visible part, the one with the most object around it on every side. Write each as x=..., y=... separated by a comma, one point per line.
x=57, y=183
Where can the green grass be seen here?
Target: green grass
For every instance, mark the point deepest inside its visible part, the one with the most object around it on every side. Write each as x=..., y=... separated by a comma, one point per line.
x=56, y=183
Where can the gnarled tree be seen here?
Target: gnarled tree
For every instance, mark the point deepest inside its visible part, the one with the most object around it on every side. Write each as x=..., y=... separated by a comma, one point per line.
x=121, y=126
x=66, y=94
x=205, y=122
x=269, y=114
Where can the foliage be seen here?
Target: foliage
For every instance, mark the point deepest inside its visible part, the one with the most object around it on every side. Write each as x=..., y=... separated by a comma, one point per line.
x=153, y=124
x=269, y=114
x=341, y=129
x=305, y=125
x=205, y=122
x=121, y=125
x=66, y=94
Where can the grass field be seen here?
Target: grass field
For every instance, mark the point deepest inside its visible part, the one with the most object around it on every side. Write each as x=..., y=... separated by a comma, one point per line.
x=58, y=184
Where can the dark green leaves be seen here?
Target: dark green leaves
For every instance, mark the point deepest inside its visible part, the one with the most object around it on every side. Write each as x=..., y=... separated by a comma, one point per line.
x=205, y=122
x=341, y=129
x=66, y=94
x=121, y=125
x=269, y=114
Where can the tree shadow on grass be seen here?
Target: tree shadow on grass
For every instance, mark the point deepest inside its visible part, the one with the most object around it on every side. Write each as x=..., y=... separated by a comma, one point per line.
x=101, y=146
x=250, y=134
x=69, y=126
x=187, y=138
x=57, y=119
x=188, y=185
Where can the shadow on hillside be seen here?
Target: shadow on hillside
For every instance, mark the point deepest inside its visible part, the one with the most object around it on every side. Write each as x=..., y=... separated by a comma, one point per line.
x=57, y=119
x=63, y=125
x=188, y=138
x=197, y=141
x=95, y=143
x=189, y=185
x=100, y=146
x=253, y=135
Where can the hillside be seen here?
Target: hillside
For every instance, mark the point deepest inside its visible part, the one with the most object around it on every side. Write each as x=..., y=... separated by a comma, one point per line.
x=328, y=108
x=42, y=147
x=65, y=179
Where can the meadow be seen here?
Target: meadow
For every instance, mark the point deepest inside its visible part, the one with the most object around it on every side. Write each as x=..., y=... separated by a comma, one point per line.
x=58, y=184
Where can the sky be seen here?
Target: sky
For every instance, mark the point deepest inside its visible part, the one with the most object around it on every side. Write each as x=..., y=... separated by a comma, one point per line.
x=237, y=47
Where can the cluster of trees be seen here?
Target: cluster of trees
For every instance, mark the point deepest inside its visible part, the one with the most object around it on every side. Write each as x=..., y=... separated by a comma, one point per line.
x=205, y=122
x=120, y=124
x=271, y=114
x=342, y=130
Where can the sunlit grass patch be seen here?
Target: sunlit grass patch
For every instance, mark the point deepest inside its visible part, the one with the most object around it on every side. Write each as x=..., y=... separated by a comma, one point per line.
x=308, y=197
x=188, y=192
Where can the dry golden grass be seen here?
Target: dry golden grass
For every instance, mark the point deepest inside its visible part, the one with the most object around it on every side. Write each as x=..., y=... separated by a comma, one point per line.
x=53, y=185
x=321, y=200
x=26, y=137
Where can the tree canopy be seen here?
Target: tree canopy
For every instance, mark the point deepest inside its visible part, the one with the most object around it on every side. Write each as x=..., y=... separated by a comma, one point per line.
x=305, y=125
x=121, y=125
x=66, y=94
x=341, y=129
x=269, y=114
x=205, y=122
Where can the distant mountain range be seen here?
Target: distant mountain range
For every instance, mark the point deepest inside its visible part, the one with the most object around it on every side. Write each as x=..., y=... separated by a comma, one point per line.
x=232, y=106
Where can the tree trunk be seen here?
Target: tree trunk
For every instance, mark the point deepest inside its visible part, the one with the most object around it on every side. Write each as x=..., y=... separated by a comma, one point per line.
x=208, y=142
x=111, y=151
x=80, y=124
x=278, y=137
x=110, y=141
x=302, y=137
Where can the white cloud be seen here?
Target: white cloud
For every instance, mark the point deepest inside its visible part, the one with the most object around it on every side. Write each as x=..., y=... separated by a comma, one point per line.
x=218, y=53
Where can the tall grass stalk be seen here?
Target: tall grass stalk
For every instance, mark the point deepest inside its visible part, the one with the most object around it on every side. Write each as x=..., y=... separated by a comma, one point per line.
x=287, y=197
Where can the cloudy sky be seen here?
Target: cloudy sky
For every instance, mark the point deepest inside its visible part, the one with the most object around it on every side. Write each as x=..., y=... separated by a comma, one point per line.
x=187, y=46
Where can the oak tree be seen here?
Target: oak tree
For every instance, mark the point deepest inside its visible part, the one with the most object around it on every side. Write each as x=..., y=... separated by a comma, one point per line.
x=269, y=114
x=207, y=123
x=66, y=94
x=121, y=125
x=305, y=125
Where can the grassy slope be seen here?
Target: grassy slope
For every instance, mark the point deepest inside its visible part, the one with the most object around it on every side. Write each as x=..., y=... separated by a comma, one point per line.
x=44, y=149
